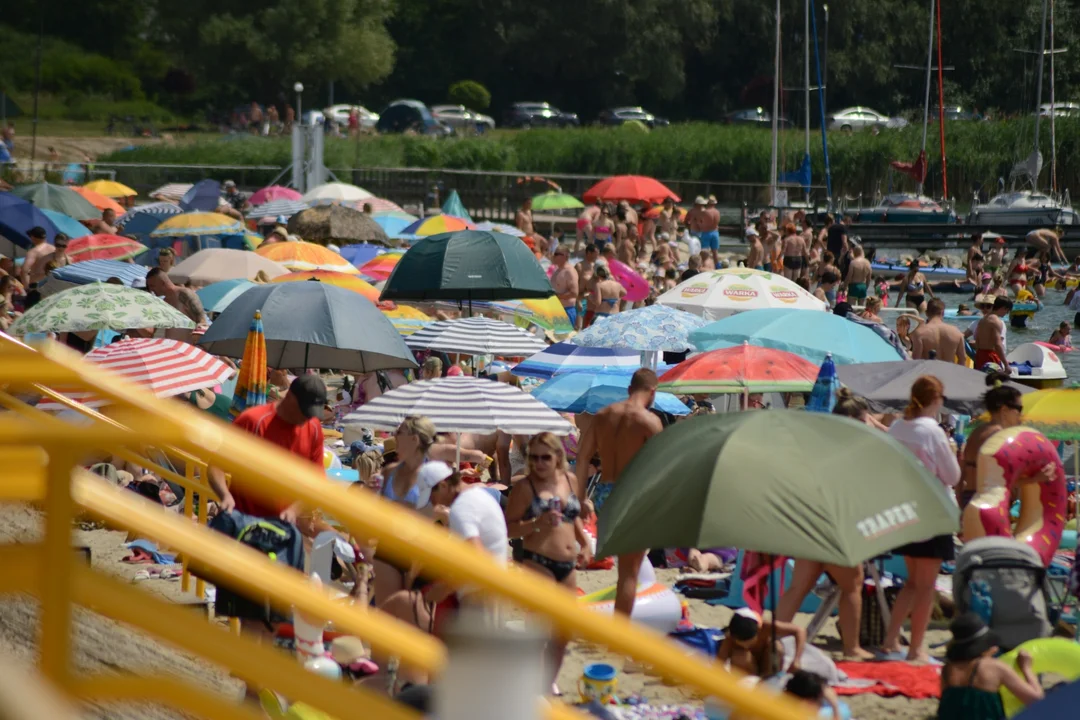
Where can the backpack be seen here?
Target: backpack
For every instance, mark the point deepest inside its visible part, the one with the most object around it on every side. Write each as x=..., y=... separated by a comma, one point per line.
x=1003, y=581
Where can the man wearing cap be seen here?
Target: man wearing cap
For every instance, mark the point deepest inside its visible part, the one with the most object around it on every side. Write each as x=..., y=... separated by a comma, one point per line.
x=236, y=201
x=39, y=250
x=756, y=255
x=710, y=232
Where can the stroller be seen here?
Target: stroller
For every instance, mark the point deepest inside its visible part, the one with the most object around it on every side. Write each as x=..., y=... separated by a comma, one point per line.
x=1003, y=581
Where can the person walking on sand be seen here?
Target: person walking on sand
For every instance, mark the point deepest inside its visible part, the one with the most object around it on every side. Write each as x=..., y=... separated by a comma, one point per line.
x=935, y=338
x=564, y=281
x=617, y=433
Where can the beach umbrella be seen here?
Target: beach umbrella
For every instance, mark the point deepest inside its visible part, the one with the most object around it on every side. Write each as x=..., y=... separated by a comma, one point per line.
x=171, y=191
x=360, y=253
x=583, y=391
x=887, y=385
x=110, y=189
x=637, y=288
x=273, y=192
x=65, y=224
x=92, y=271
x=59, y=198
x=98, y=200
x=341, y=280
x=488, y=226
x=550, y=201
x=567, y=357
x=381, y=266
x=781, y=482
x=405, y=319
x=336, y=192
x=18, y=216
x=251, y=381
x=338, y=224
x=1055, y=412
x=632, y=188
x=218, y=296
x=275, y=209
x=196, y=224
x=719, y=293
x=808, y=334
x=437, y=224
x=159, y=209
x=823, y=395
x=311, y=325
x=203, y=196
x=103, y=246
x=302, y=256
x=740, y=369
x=165, y=367
x=380, y=206
x=546, y=314
x=461, y=404
x=653, y=328
x=467, y=265
x=476, y=336
x=216, y=264
x=99, y=306
x=392, y=225
x=400, y=214
x=454, y=206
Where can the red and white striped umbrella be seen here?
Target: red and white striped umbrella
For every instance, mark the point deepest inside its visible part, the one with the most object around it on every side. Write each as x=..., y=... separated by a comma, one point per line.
x=166, y=367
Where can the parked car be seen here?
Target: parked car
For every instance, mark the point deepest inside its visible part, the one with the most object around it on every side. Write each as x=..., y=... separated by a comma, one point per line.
x=1061, y=109
x=952, y=112
x=340, y=115
x=857, y=118
x=402, y=115
x=754, y=116
x=539, y=114
x=460, y=117
x=620, y=115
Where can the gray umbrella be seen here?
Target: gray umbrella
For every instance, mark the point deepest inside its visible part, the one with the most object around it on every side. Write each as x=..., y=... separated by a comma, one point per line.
x=311, y=325
x=338, y=224
x=887, y=385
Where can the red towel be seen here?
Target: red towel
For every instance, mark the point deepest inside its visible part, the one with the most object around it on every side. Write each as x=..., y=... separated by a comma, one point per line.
x=894, y=678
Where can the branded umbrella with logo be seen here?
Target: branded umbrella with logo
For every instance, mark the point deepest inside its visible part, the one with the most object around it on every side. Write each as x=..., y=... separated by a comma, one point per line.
x=717, y=294
x=782, y=482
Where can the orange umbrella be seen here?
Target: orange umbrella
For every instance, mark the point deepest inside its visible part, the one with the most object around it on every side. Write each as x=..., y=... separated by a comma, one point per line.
x=100, y=201
x=349, y=282
x=305, y=256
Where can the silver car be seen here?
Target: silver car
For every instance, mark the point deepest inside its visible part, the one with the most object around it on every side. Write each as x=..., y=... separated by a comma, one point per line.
x=340, y=115
x=461, y=118
x=857, y=118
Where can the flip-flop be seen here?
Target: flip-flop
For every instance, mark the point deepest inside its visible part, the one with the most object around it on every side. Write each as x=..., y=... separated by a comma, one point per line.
x=898, y=656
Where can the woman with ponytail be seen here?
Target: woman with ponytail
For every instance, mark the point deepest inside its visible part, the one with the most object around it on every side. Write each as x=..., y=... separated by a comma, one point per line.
x=920, y=433
x=1003, y=403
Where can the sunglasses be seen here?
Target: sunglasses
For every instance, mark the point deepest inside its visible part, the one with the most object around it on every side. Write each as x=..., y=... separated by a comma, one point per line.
x=61, y=247
x=541, y=458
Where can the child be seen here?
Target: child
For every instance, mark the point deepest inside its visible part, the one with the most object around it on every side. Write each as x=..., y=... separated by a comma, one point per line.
x=971, y=678
x=748, y=645
x=1062, y=336
x=813, y=689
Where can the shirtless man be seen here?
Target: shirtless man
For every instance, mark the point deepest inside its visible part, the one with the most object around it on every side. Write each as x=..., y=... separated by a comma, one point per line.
x=585, y=270
x=710, y=229
x=1045, y=239
x=794, y=252
x=990, y=334
x=524, y=218
x=183, y=299
x=668, y=219
x=755, y=257
x=585, y=223
x=769, y=242
x=631, y=213
x=107, y=224
x=564, y=281
x=937, y=336
x=995, y=256
x=858, y=278
x=695, y=218
x=33, y=267
x=618, y=432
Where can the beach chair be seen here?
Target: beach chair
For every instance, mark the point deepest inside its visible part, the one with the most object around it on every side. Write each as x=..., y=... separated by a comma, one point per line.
x=750, y=585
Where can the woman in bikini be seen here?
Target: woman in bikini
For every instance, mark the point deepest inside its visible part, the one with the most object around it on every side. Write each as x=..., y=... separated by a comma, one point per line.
x=1018, y=272
x=606, y=293
x=603, y=228
x=544, y=511
x=914, y=288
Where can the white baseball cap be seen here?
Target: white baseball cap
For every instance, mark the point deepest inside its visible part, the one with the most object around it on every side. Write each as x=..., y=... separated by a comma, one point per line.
x=428, y=476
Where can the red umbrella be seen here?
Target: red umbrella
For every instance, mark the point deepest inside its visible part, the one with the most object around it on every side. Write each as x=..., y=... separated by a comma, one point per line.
x=103, y=246
x=632, y=188
x=741, y=369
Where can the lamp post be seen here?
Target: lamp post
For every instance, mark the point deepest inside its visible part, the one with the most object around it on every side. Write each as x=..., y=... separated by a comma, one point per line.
x=299, y=88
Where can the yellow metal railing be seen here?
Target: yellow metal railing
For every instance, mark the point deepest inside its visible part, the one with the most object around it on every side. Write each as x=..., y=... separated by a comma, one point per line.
x=136, y=418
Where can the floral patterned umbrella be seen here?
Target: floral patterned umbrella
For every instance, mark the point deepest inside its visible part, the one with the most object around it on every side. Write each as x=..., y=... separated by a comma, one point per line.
x=99, y=306
x=653, y=328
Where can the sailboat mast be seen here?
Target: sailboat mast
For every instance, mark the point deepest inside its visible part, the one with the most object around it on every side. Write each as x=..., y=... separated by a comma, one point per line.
x=941, y=106
x=926, y=97
x=806, y=81
x=775, y=112
x=1053, y=109
x=1038, y=86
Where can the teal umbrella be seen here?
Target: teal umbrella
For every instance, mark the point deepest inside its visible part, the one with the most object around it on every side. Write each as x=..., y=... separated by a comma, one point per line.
x=215, y=297
x=784, y=482
x=454, y=206
x=556, y=201
x=468, y=265
x=67, y=225
x=47, y=196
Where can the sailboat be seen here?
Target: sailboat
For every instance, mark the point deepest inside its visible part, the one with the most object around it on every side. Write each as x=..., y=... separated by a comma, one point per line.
x=915, y=207
x=1027, y=207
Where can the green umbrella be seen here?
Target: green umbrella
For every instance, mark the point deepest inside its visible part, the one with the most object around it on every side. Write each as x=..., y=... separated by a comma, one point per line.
x=99, y=306
x=784, y=482
x=47, y=196
x=468, y=265
x=556, y=201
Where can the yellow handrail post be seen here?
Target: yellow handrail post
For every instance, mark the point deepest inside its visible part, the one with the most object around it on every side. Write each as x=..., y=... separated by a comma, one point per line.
x=204, y=514
x=56, y=585
x=189, y=500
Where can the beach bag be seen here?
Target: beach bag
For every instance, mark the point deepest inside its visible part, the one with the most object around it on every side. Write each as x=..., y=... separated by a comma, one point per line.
x=1003, y=581
x=872, y=622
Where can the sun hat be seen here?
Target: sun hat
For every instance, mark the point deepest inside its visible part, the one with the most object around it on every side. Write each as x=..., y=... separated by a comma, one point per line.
x=699, y=200
x=281, y=231
x=970, y=638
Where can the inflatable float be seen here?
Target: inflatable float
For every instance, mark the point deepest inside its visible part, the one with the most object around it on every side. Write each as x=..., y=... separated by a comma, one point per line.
x=1006, y=457
x=1059, y=656
x=1055, y=348
x=1021, y=312
x=655, y=604
x=1036, y=365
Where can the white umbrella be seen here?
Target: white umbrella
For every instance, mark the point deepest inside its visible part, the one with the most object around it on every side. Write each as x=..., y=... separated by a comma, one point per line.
x=336, y=192
x=461, y=404
x=216, y=264
x=476, y=336
x=171, y=191
x=720, y=293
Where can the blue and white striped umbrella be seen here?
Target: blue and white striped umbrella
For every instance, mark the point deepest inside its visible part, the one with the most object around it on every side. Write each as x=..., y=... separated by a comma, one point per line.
x=591, y=392
x=160, y=209
x=89, y=271
x=475, y=336
x=278, y=208
x=654, y=328
x=567, y=357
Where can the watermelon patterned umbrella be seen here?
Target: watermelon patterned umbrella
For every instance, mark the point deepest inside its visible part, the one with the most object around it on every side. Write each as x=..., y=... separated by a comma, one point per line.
x=741, y=369
x=103, y=246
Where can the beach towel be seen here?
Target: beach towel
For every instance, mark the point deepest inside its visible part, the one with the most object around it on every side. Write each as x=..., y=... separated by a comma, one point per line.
x=892, y=678
x=145, y=549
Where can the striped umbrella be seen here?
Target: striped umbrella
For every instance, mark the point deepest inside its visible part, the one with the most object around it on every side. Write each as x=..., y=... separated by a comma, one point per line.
x=500, y=227
x=342, y=280
x=251, y=382
x=461, y=404
x=476, y=336
x=567, y=357
x=381, y=266
x=91, y=271
x=218, y=296
x=98, y=200
x=110, y=188
x=161, y=209
x=165, y=367
x=103, y=246
x=437, y=224
x=198, y=223
x=273, y=192
x=305, y=256
x=171, y=191
x=282, y=207
x=378, y=206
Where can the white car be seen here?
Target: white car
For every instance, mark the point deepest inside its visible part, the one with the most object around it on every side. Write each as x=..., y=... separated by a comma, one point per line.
x=461, y=118
x=340, y=115
x=857, y=118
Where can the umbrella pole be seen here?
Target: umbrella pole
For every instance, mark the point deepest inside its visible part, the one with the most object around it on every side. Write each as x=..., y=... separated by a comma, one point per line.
x=774, y=661
x=457, y=453
x=307, y=349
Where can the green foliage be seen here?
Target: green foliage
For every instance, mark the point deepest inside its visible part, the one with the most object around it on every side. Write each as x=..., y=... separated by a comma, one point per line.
x=471, y=94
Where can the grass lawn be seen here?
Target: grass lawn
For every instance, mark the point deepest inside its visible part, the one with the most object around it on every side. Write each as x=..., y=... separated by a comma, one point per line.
x=60, y=128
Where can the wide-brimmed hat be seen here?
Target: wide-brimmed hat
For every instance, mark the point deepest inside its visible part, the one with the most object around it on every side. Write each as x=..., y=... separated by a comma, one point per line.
x=984, y=299
x=971, y=638
x=699, y=200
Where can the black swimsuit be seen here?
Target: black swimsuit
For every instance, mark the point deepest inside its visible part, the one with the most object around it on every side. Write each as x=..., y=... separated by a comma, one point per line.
x=571, y=510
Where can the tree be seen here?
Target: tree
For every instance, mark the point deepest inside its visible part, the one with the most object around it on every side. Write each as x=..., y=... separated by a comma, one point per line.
x=471, y=94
